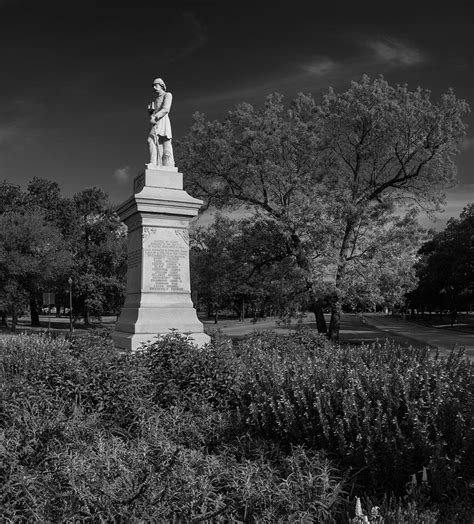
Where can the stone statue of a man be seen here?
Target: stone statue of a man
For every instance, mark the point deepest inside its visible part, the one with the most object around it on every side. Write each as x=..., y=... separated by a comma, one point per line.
x=159, y=139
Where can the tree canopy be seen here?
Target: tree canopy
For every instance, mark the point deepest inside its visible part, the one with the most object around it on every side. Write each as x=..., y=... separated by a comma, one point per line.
x=46, y=238
x=341, y=179
x=446, y=268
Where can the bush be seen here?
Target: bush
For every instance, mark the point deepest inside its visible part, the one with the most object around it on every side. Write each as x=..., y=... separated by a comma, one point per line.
x=178, y=369
x=88, y=372
x=383, y=411
x=63, y=460
x=181, y=433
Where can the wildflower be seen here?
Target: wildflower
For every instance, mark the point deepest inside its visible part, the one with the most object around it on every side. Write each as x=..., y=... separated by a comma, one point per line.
x=424, y=478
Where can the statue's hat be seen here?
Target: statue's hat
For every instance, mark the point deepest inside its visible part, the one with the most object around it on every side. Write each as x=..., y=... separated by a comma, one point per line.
x=161, y=82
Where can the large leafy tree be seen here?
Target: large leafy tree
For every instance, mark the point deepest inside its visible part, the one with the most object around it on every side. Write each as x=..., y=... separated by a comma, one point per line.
x=330, y=176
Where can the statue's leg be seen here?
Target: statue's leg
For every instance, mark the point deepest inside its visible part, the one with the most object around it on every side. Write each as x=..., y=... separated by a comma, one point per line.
x=159, y=160
x=153, y=150
x=168, y=158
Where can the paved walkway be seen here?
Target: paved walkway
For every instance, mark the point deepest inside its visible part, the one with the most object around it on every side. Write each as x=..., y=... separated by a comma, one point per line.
x=369, y=328
x=438, y=338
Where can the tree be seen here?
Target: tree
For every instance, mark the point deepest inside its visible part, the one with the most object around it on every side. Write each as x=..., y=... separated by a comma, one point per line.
x=329, y=175
x=11, y=197
x=235, y=263
x=446, y=270
x=32, y=257
x=99, y=249
x=213, y=269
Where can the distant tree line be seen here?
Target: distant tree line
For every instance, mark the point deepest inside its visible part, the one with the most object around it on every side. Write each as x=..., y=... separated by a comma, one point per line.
x=45, y=239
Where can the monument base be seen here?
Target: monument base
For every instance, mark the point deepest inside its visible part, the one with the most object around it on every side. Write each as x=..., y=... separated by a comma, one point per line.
x=136, y=341
x=158, y=296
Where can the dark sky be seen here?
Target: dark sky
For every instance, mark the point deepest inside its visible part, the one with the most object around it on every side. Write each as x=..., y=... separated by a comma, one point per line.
x=76, y=76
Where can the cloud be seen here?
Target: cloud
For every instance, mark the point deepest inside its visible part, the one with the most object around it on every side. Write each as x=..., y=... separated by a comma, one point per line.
x=394, y=52
x=198, y=33
x=320, y=66
x=123, y=174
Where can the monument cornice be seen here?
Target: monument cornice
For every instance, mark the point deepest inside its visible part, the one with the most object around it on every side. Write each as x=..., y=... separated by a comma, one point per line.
x=162, y=202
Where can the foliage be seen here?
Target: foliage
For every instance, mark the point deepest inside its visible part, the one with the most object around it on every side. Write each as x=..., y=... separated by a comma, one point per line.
x=332, y=176
x=175, y=432
x=63, y=459
x=80, y=238
x=99, y=254
x=32, y=256
x=446, y=268
x=245, y=264
x=178, y=372
x=383, y=411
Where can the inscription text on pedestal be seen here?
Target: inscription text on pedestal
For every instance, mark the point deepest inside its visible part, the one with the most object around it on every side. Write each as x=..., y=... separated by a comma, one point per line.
x=166, y=256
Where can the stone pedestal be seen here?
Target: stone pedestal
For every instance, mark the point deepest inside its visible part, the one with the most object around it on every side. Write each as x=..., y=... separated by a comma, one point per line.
x=158, y=284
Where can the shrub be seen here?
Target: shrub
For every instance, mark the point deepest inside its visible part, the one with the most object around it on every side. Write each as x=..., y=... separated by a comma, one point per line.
x=381, y=410
x=88, y=372
x=181, y=433
x=178, y=369
x=62, y=460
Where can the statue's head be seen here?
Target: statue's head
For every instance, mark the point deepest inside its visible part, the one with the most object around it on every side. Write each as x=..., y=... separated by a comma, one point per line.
x=159, y=83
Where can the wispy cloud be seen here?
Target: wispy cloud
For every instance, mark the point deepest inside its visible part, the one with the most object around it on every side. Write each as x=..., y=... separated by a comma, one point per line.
x=372, y=56
x=320, y=66
x=198, y=32
x=393, y=52
x=123, y=174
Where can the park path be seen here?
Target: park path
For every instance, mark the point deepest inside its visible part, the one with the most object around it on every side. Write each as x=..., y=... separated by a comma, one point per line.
x=442, y=339
x=355, y=329
x=367, y=329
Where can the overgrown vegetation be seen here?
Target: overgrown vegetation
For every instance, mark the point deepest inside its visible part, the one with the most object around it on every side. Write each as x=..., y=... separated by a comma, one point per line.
x=283, y=429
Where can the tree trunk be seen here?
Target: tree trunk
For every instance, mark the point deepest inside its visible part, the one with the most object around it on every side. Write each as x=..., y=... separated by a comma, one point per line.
x=317, y=309
x=454, y=310
x=242, y=312
x=14, y=317
x=34, y=314
x=87, y=318
x=335, y=322
x=3, y=321
x=336, y=306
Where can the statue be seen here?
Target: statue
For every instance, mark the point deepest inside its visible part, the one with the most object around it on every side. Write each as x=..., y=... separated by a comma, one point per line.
x=159, y=139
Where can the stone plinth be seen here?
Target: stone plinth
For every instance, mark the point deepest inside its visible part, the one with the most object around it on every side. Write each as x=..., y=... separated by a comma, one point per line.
x=158, y=284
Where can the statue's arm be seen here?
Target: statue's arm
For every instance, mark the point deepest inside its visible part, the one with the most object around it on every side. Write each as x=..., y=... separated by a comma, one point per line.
x=165, y=107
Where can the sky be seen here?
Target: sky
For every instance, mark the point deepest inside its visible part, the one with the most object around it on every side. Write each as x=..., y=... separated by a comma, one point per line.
x=76, y=77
